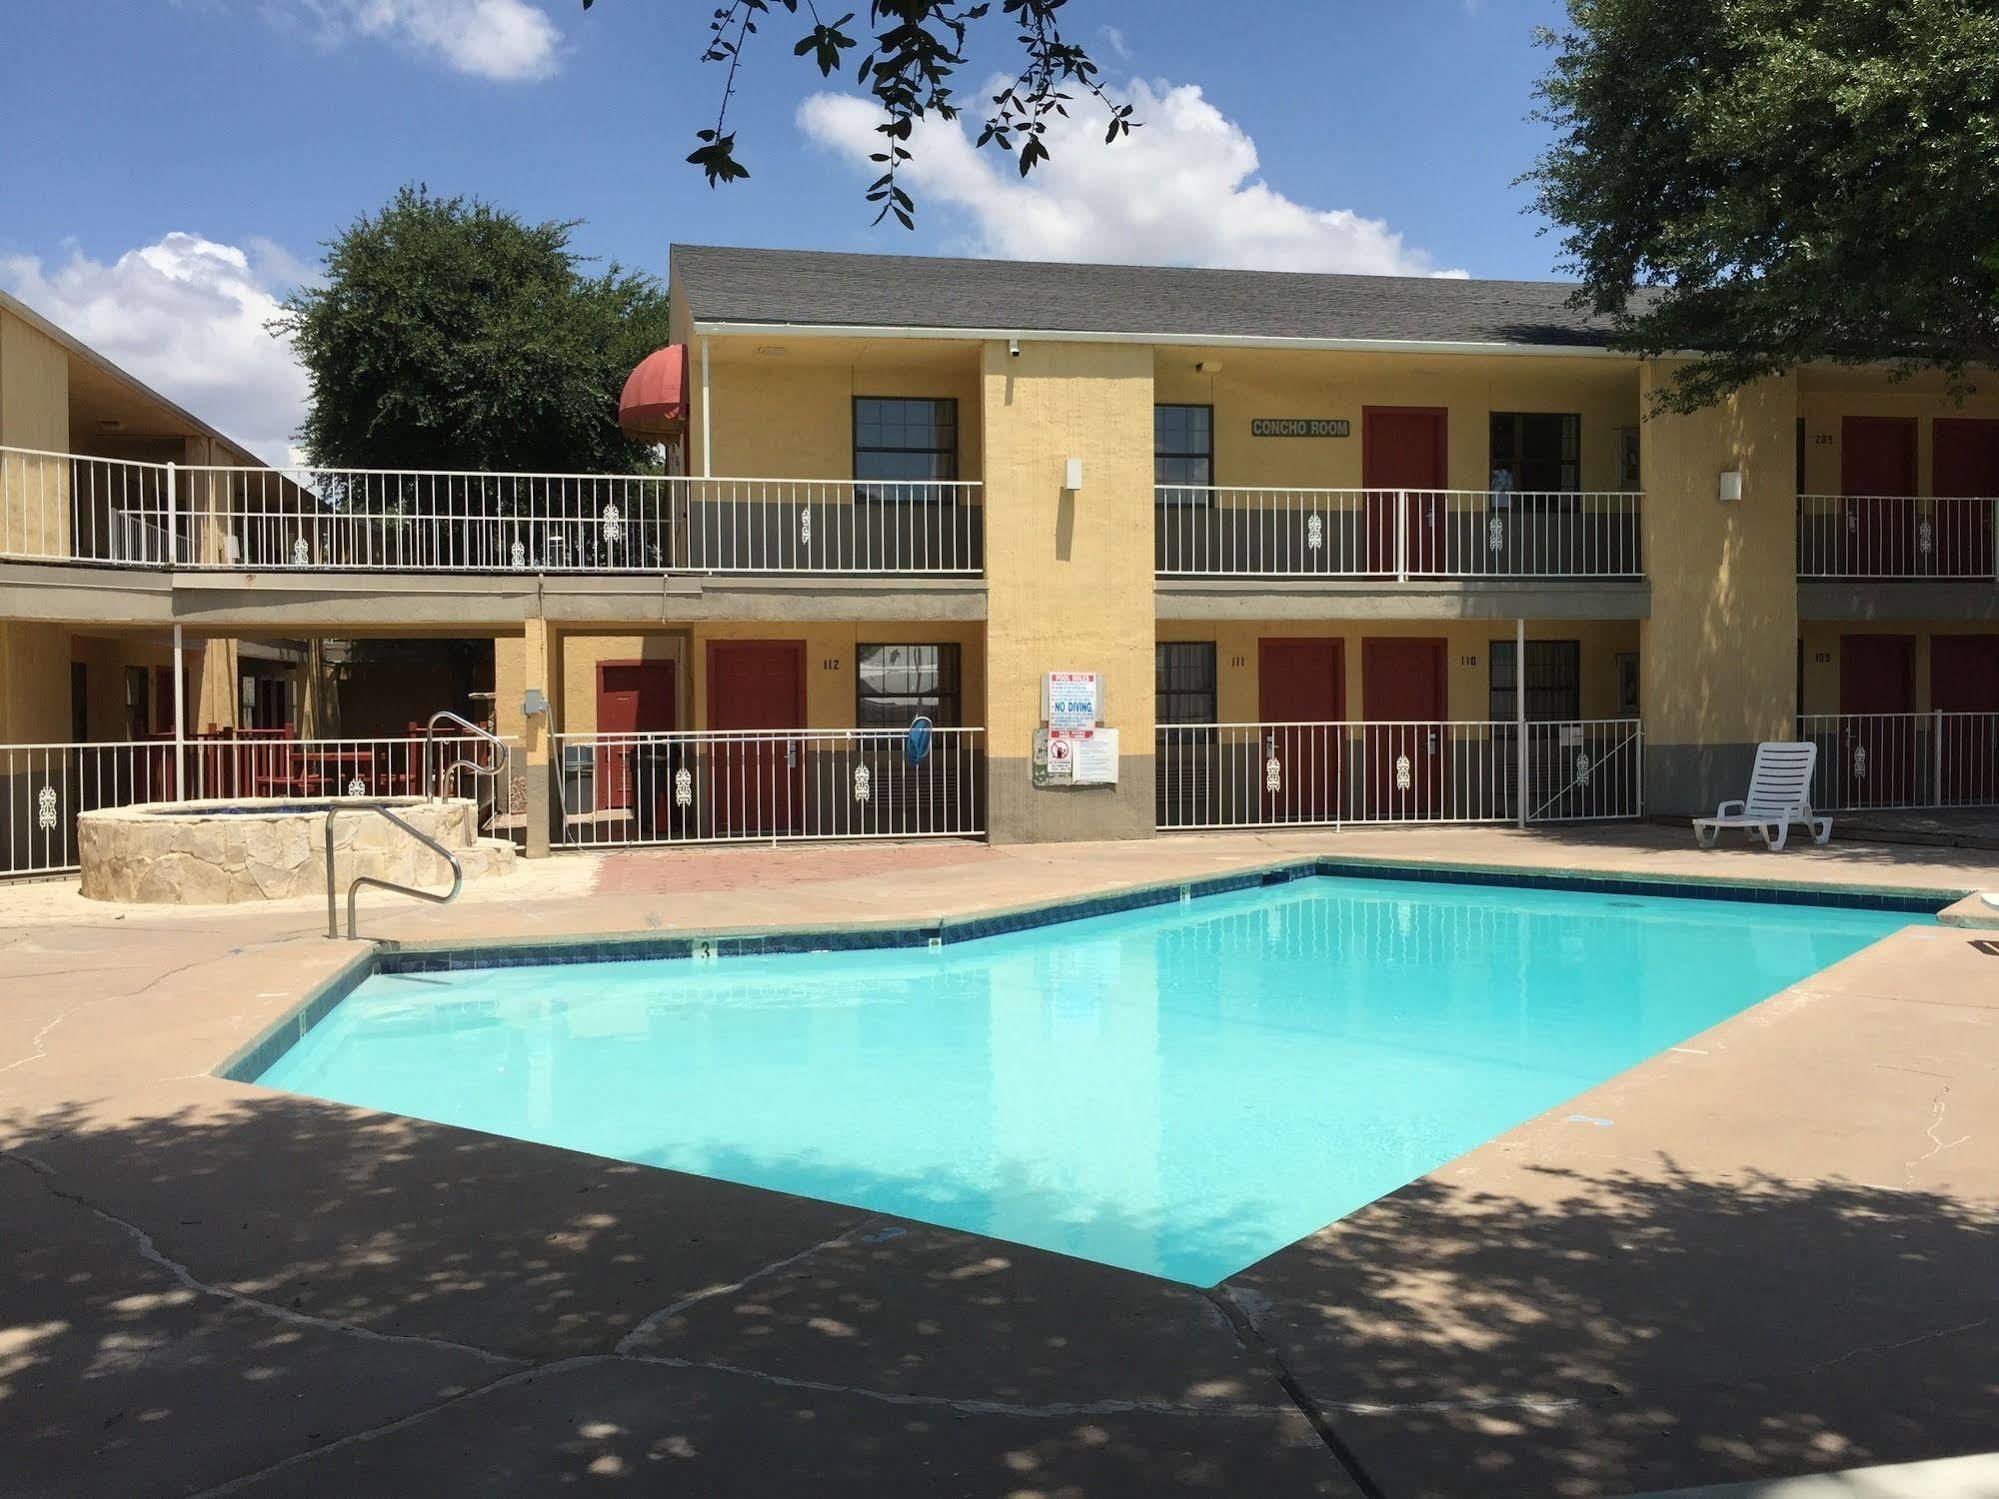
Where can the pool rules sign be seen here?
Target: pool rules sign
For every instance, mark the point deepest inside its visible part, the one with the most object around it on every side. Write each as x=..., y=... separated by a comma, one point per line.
x=1073, y=749
x=1071, y=699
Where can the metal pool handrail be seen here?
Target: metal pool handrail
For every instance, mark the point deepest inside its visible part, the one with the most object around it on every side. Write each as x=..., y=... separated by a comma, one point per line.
x=445, y=715
x=457, y=869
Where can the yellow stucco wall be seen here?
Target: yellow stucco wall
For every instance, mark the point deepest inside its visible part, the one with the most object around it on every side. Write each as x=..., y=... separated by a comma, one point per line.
x=1250, y=384
x=34, y=683
x=1070, y=574
x=1467, y=652
x=34, y=413
x=790, y=415
x=1719, y=650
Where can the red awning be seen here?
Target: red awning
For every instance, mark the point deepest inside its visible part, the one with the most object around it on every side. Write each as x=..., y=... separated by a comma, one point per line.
x=654, y=405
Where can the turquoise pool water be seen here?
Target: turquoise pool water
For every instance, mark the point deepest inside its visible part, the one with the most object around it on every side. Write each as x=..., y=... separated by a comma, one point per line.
x=1180, y=1091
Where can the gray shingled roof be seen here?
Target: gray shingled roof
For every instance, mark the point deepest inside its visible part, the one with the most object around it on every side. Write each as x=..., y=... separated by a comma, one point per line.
x=812, y=287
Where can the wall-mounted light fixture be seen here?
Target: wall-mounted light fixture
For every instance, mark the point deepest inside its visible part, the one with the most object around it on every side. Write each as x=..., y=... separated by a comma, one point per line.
x=1072, y=474
x=1731, y=486
x=1013, y=348
x=1207, y=366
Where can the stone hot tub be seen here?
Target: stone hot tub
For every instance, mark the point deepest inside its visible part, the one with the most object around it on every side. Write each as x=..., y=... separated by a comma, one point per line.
x=221, y=852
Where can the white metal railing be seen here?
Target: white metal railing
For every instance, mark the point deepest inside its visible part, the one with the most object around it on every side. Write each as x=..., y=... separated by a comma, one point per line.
x=68, y=508
x=61, y=507
x=1395, y=533
x=721, y=786
x=1897, y=536
x=1869, y=761
x=43, y=787
x=1247, y=775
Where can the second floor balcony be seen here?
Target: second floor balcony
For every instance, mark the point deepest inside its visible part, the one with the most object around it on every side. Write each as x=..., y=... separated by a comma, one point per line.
x=62, y=507
x=1227, y=532
x=1897, y=538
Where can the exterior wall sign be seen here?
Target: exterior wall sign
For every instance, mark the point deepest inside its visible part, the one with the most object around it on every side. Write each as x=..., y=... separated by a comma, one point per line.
x=1072, y=699
x=1287, y=426
x=1075, y=757
x=1095, y=755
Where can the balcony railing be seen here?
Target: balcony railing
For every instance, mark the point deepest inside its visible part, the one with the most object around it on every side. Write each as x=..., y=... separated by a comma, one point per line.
x=1252, y=775
x=43, y=787
x=1208, y=532
x=1874, y=761
x=1891, y=537
x=738, y=786
x=61, y=507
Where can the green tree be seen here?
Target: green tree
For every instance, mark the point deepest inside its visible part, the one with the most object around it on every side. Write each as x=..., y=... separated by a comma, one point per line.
x=450, y=334
x=1771, y=182
x=918, y=46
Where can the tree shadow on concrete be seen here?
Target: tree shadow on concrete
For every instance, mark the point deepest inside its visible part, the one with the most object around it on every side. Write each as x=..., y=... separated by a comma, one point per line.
x=311, y=1299
x=1620, y=1331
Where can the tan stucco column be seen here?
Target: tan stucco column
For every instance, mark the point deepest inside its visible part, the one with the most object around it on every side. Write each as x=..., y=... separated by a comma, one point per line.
x=537, y=675
x=1069, y=575
x=1718, y=656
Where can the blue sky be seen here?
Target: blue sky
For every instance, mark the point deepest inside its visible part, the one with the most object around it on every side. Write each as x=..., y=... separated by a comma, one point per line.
x=158, y=210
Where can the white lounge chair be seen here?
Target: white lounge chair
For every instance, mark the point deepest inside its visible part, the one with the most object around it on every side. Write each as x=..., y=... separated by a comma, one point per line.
x=1780, y=794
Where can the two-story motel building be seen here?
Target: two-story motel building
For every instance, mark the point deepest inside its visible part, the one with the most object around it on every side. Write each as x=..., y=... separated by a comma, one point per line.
x=1335, y=549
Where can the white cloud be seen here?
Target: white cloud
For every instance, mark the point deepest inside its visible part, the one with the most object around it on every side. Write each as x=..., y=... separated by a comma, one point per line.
x=1181, y=190
x=186, y=315
x=506, y=40
x=1115, y=40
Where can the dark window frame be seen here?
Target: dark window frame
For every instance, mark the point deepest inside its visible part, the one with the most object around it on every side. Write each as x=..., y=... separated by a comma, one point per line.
x=1568, y=465
x=890, y=487
x=948, y=699
x=1180, y=491
x=1567, y=681
x=1171, y=692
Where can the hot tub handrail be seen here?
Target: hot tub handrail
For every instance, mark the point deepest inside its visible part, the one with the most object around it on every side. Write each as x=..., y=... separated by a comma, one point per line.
x=457, y=869
x=433, y=789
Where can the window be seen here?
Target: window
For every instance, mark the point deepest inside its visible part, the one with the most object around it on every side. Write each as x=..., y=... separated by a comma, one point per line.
x=1184, y=681
x=903, y=446
x=1183, y=452
x=897, y=684
x=1537, y=452
x=1554, y=681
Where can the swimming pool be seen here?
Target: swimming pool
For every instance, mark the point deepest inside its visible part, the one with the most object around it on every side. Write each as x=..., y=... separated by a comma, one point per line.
x=1179, y=1091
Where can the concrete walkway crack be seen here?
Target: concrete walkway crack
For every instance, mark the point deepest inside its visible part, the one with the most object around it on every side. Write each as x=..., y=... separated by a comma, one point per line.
x=41, y=1036
x=1922, y=1337
x=399, y=1423
x=962, y=1404
x=1253, y=1341
x=645, y=1326
x=153, y=1255
x=1938, y=1145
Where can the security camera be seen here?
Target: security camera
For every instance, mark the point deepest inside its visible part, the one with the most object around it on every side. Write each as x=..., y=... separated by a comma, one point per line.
x=1013, y=347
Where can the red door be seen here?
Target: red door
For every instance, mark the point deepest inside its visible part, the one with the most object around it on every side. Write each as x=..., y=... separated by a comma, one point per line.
x=1964, y=688
x=1301, y=683
x=1877, y=703
x=1402, y=689
x=756, y=781
x=1964, y=477
x=1403, y=450
x=1877, y=470
x=634, y=697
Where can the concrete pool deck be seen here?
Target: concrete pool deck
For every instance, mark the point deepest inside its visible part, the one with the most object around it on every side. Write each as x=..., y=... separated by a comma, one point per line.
x=1764, y=1253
